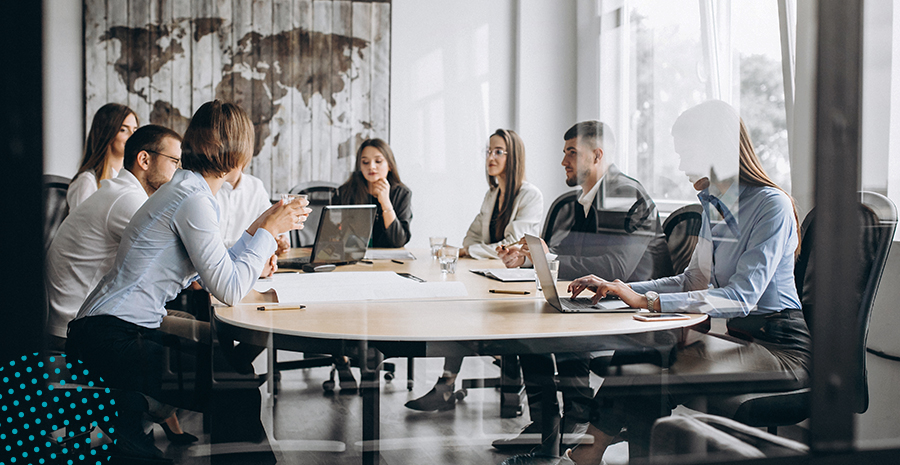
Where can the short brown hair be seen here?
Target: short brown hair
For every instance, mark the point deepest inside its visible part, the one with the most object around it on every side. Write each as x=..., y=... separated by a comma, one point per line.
x=150, y=138
x=218, y=139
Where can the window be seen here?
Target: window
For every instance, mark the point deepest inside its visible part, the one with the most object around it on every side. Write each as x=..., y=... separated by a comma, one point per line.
x=661, y=58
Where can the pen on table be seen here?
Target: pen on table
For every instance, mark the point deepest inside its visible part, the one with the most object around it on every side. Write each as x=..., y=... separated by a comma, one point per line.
x=366, y=262
x=263, y=308
x=508, y=291
x=398, y=262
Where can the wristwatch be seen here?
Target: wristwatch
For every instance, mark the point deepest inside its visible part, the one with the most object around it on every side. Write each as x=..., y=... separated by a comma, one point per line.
x=652, y=301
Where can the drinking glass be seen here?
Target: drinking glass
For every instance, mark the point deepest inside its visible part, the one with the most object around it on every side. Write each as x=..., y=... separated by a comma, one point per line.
x=288, y=198
x=436, y=244
x=553, y=264
x=448, y=257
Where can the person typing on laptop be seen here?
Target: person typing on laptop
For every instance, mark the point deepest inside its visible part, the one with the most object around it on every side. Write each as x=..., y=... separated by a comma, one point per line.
x=610, y=227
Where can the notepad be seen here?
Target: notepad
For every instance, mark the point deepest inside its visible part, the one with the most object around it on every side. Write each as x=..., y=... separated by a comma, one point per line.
x=507, y=275
x=389, y=254
x=306, y=288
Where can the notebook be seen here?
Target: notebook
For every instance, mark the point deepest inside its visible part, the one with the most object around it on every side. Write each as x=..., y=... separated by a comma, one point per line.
x=342, y=237
x=507, y=275
x=567, y=305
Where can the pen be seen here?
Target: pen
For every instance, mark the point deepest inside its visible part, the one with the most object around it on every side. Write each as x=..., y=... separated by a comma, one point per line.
x=366, y=262
x=263, y=308
x=398, y=262
x=507, y=291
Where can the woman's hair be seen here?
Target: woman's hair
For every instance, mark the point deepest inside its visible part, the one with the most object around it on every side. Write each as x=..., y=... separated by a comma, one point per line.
x=218, y=139
x=105, y=126
x=356, y=189
x=515, y=175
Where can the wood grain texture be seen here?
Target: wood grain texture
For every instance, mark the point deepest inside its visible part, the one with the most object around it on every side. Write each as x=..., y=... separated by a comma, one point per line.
x=302, y=69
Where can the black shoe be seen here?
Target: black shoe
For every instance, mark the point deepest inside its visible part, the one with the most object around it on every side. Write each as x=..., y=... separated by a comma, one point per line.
x=440, y=397
x=183, y=438
x=345, y=377
x=126, y=450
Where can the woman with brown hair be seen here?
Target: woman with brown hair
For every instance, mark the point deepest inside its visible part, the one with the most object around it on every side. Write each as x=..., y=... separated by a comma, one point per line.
x=512, y=208
x=376, y=181
x=172, y=241
x=104, y=151
x=742, y=269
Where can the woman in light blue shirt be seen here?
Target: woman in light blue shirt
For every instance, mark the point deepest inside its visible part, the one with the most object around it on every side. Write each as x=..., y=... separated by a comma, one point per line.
x=173, y=240
x=742, y=269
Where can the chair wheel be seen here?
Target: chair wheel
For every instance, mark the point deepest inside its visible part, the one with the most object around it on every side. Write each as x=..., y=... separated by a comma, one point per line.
x=388, y=376
x=328, y=385
x=461, y=394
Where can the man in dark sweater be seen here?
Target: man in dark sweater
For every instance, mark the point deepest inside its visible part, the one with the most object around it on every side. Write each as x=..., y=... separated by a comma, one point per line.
x=609, y=228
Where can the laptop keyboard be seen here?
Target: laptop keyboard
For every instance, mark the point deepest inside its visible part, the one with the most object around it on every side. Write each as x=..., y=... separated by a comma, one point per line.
x=579, y=303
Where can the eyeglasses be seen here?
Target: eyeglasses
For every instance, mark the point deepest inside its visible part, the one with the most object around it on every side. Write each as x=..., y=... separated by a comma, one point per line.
x=177, y=161
x=496, y=153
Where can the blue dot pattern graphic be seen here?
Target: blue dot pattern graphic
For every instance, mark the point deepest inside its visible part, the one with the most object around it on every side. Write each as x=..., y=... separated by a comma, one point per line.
x=48, y=409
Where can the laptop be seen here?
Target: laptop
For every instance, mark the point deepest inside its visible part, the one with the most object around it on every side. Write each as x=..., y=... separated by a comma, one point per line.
x=342, y=237
x=567, y=305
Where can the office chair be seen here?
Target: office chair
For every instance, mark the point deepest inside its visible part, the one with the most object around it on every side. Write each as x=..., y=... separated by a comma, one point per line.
x=321, y=193
x=879, y=220
x=682, y=228
x=55, y=206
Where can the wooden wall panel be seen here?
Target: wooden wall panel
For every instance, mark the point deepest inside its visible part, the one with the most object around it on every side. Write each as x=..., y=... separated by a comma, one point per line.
x=314, y=75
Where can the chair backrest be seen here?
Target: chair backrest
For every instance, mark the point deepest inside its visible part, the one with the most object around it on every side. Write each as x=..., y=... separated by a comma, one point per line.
x=321, y=193
x=878, y=220
x=55, y=206
x=553, y=214
x=682, y=228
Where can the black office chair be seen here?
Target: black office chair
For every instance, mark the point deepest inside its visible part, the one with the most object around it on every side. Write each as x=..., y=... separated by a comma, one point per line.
x=682, y=229
x=55, y=206
x=321, y=193
x=879, y=220
x=552, y=220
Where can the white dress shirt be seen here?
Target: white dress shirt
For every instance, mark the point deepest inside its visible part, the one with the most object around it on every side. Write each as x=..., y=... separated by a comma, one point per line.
x=83, y=186
x=84, y=248
x=240, y=206
x=587, y=198
x=525, y=219
x=174, y=236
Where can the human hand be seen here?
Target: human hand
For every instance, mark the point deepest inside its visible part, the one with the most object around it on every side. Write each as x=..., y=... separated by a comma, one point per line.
x=513, y=256
x=381, y=190
x=602, y=287
x=281, y=217
x=284, y=244
x=463, y=252
x=270, y=268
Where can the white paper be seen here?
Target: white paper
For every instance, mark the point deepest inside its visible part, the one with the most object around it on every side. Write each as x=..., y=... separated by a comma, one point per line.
x=508, y=275
x=389, y=254
x=351, y=286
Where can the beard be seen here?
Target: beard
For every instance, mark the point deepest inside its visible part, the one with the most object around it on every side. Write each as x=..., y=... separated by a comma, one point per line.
x=155, y=180
x=580, y=176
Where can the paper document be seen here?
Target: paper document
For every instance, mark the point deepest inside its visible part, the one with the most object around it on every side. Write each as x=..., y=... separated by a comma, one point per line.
x=389, y=254
x=305, y=288
x=508, y=275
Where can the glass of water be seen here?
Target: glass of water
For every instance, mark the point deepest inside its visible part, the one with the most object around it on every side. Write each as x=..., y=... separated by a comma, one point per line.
x=553, y=264
x=449, y=255
x=436, y=244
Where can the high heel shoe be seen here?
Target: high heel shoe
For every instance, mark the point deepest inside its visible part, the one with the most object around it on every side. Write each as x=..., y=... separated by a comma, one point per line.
x=183, y=438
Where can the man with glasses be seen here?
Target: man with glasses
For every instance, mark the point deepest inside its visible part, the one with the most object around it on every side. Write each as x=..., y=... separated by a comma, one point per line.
x=85, y=245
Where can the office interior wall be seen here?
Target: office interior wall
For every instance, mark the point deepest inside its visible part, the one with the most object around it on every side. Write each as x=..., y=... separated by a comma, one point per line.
x=63, y=97
x=876, y=83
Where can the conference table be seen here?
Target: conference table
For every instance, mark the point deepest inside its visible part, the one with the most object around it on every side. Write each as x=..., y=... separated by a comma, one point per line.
x=477, y=323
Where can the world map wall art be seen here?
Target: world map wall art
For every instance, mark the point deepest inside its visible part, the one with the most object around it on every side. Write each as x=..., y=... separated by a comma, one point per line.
x=314, y=75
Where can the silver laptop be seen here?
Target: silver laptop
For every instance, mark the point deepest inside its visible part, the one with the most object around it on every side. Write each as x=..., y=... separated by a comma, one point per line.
x=342, y=237
x=567, y=305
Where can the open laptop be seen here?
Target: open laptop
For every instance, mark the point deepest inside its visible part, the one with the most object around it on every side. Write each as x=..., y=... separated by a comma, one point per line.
x=567, y=305
x=342, y=237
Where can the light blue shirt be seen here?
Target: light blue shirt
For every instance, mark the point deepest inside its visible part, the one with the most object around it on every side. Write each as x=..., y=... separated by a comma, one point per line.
x=732, y=276
x=174, y=236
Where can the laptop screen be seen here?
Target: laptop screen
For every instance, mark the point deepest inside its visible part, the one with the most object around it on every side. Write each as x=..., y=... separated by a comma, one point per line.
x=343, y=234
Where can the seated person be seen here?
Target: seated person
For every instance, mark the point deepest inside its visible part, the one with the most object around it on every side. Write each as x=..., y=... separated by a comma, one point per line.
x=512, y=208
x=612, y=228
x=85, y=245
x=742, y=269
x=174, y=236
x=104, y=150
x=376, y=181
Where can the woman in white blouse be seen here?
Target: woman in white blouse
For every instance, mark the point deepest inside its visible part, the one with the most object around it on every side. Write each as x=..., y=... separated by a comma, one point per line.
x=512, y=208
x=104, y=151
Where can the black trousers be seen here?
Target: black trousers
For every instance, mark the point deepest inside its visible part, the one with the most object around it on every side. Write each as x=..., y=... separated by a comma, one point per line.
x=574, y=383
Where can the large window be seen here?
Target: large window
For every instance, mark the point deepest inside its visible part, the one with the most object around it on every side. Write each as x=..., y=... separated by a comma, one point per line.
x=661, y=58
